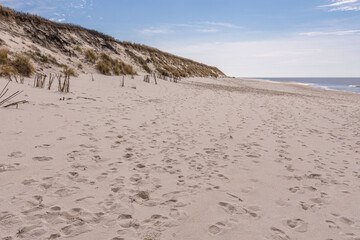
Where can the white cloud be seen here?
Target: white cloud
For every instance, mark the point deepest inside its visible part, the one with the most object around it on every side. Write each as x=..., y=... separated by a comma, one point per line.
x=207, y=30
x=221, y=24
x=12, y=3
x=340, y=2
x=343, y=5
x=346, y=8
x=334, y=33
x=204, y=27
x=154, y=31
x=78, y=4
x=47, y=8
x=297, y=56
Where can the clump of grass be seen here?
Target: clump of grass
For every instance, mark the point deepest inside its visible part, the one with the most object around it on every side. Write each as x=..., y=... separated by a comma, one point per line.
x=139, y=60
x=4, y=56
x=104, y=67
x=44, y=59
x=162, y=72
x=91, y=56
x=8, y=71
x=23, y=65
x=128, y=69
x=37, y=56
x=108, y=65
x=72, y=39
x=80, y=66
x=68, y=71
x=172, y=71
x=78, y=49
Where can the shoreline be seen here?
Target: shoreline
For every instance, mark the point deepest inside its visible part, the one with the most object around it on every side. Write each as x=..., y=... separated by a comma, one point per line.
x=311, y=85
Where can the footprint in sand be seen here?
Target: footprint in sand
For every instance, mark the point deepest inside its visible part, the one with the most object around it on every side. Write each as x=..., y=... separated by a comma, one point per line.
x=228, y=207
x=30, y=232
x=222, y=177
x=346, y=221
x=135, y=179
x=297, y=224
x=16, y=155
x=332, y=224
x=126, y=220
x=9, y=167
x=42, y=159
x=217, y=228
x=278, y=234
x=55, y=236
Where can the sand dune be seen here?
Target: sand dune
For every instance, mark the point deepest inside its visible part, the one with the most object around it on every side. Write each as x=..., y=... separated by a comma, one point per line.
x=201, y=159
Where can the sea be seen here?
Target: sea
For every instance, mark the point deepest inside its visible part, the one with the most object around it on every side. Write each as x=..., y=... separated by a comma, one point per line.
x=338, y=84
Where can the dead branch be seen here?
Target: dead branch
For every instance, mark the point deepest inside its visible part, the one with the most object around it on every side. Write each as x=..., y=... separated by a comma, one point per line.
x=16, y=103
x=1, y=94
x=51, y=80
x=65, y=86
x=155, y=78
x=10, y=97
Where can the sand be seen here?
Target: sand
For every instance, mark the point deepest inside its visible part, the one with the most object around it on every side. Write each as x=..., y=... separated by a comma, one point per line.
x=200, y=159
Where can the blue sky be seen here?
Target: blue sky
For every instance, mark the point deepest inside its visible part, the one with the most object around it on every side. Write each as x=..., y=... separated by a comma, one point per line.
x=258, y=38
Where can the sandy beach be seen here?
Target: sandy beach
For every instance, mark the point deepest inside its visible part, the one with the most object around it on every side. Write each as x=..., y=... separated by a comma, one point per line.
x=199, y=159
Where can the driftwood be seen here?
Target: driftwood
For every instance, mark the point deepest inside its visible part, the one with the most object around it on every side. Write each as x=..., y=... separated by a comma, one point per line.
x=59, y=82
x=16, y=103
x=87, y=98
x=147, y=78
x=123, y=81
x=4, y=91
x=51, y=80
x=155, y=78
x=64, y=86
x=10, y=97
x=40, y=80
x=6, y=99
